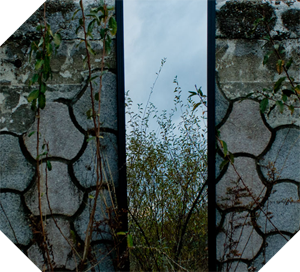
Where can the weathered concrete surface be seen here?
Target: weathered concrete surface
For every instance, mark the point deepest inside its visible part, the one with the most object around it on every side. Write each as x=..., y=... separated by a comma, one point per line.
x=15, y=171
x=273, y=244
x=244, y=130
x=62, y=251
x=56, y=128
x=108, y=104
x=14, y=223
x=64, y=197
x=85, y=166
x=233, y=192
x=282, y=156
x=239, y=237
x=101, y=216
x=283, y=209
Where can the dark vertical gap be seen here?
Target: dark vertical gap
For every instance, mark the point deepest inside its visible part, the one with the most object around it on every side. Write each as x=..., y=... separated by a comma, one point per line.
x=121, y=190
x=211, y=44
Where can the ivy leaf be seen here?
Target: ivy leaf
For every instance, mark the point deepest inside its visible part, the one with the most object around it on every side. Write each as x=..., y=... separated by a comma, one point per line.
x=91, y=50
x=289, y=63
x=284, y=98
x=91, y=138
x=43, y=87
x=41, y=42
x=97, y=96
x=74, y=14
x=39, y=64
x=42, y=101
x=224, y=146
x=266, y=57
x=91, y=26
x=49, y=165
x=112, y=25
x=31, y=133
x=33, y=95
x=297, y=89
x=223, y=163
x=279, y=66
x=280, y=105
x=129, y=241
x=278, y=84
x=34, y=79
x=291, y=108
x=57, y=39
x=89, y=114
x=263, y=104
x=107, y=47
x=287, y=92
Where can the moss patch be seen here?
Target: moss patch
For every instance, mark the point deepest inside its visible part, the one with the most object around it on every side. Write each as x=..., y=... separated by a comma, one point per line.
x=236, y=20
x=291, y=20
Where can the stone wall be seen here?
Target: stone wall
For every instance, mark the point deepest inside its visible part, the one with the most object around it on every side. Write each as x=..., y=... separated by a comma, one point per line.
x=264, y=181
x=70, y=186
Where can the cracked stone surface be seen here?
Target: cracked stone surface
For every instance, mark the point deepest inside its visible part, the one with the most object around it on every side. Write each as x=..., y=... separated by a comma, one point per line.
x=282, y=155
x=15, y=171
x=274, y=244
x=248, y=244
x=56, y=127
x=64, y=197
x=85, y=166
x=81, y=222
x=62, y=254
x=15, y=113
x=108, y=104
x=13, y=221
x=231, y=192
x=221, y=106
x=244, y=130
x=283, y=207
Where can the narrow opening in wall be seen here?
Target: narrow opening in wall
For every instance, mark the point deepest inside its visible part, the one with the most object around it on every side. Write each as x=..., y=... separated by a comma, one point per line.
x=165, y=82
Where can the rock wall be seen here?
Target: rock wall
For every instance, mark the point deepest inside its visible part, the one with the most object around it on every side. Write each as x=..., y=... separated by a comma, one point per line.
x=69, y=188
x=257, y=200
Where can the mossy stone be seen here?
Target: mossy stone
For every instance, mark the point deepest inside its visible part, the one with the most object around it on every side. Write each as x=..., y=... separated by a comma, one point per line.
x=236, y=19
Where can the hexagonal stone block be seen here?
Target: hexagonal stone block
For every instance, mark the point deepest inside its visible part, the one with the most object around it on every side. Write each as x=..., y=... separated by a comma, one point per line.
x=13, y=221
x=108, y=105
x=104, y=202
x=62, y=256
x=233, y=192
x=282, y=208
x=15, y=171
x=244, y=130
x=56, y=127
x=239, y=239
x=283, y=156
x=64, y=197
x=85, y=166
x=273, y=244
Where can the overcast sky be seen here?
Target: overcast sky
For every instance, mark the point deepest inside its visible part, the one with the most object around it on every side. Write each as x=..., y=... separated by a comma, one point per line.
x=157, y=29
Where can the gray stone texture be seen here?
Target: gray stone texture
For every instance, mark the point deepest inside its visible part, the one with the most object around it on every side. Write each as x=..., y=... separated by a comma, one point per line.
x=104, y=202
x=15, y=113
x=244, y=130
x=56, y=128
x=108, y=105
x=239, y=237
x=15, y=171
x=62, y=251
x=237, y=266
x=282, y=156
x=282, y=208
x=104, y=261
x=85, y=166
x=64, y=197
x=14, y=223
x=273, y=244
x=233, y=192
x=221, y=106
